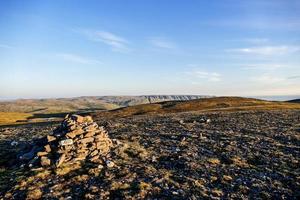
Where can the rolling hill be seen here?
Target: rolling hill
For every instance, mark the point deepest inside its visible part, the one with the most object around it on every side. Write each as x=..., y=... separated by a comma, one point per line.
x=294, y=101
x=204, y=105
x=40, y=110
x=89, y=103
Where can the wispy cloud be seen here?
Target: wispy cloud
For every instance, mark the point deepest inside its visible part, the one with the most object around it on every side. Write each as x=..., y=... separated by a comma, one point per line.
x=78, y=59
x=256, y=40
x=204, y=75
x=162, y=43
x=271, y=79
x=266, y=50
x=267, y=79
x=117, y=43
x=264, y=66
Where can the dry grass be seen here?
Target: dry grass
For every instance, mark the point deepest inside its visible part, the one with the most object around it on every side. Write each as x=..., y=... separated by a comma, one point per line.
x=203, y=105
x=13, y=117
x=55, y=105
x=214, y=161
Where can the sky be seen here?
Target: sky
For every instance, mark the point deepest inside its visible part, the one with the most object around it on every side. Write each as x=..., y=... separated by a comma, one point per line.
x=68, y=48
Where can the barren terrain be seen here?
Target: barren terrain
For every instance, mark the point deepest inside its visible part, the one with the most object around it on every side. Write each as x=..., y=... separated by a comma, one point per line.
x=243, y=154
x=23, y=111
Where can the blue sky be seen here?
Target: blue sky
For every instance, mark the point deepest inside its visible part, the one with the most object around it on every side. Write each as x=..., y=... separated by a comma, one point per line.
x=73, y=48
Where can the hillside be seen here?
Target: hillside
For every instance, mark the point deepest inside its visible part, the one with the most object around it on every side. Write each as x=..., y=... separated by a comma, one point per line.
x=206, y=104
x=185, y=155
x=40, y=110
x=124, y=101
x=294, y=101
x=85, y=103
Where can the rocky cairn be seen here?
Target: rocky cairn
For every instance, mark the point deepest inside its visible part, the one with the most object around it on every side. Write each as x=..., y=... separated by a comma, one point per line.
x=76, y=139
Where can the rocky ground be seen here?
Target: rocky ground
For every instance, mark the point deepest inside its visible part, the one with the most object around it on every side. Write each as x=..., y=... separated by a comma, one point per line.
x=238, y=155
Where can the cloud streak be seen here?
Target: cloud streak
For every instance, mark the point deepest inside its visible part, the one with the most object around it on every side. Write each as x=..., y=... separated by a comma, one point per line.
x=256, y=40
x=162, y=43
x=204, y=75
x=266, y=50
x=263, y=66
x=117, y=43
x=267, y=79
x=77, y=59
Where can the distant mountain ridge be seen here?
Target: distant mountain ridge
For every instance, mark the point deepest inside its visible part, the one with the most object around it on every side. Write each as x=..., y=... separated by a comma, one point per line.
x=198, y=105
x=87, y=103
x=144, y=99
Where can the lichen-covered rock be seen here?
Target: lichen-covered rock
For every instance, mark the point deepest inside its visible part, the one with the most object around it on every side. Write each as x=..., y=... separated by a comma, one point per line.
x=45, y=161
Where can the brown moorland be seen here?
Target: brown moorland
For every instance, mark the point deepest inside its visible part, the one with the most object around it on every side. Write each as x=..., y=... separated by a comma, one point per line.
x=203, y=105
x=218, y=148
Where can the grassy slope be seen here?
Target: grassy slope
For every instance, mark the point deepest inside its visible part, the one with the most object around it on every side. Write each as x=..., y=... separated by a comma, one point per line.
x=35, y=110
x=39, y=110
x=12, y=117
x=205, y=105
x=54, y=105
x=294, y=101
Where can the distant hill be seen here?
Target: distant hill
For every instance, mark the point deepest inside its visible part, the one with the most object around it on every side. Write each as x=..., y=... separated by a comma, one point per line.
x=204, y=105
x=294, y=101
x=92, y=103
x=124, y=101
x=44, y=110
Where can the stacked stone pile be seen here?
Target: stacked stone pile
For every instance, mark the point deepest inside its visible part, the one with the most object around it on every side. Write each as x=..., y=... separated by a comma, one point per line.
x=77, y=138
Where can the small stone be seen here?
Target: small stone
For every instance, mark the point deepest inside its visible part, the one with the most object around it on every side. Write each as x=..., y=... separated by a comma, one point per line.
x=77, y=118
x=14, y=143
x=50, y=138
x=217, y=192
x=94, y=171
x=91, y=128
x=74, y=133
x=116, y=142
x=214, y=161
x=87, y=140
x=45, y=161
x=95, y=158
x=80, y=156
x=34, y=194
x=110, y=164
x=61, y=160
x=153, y=159
x=72, y=127
x=94, y=153
x=88, y=119
x=42, y=153
x=100, y=166
x=66, y=142
x=47, y=148
x=89, y=134
x=227, y=178
x=83, y=150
